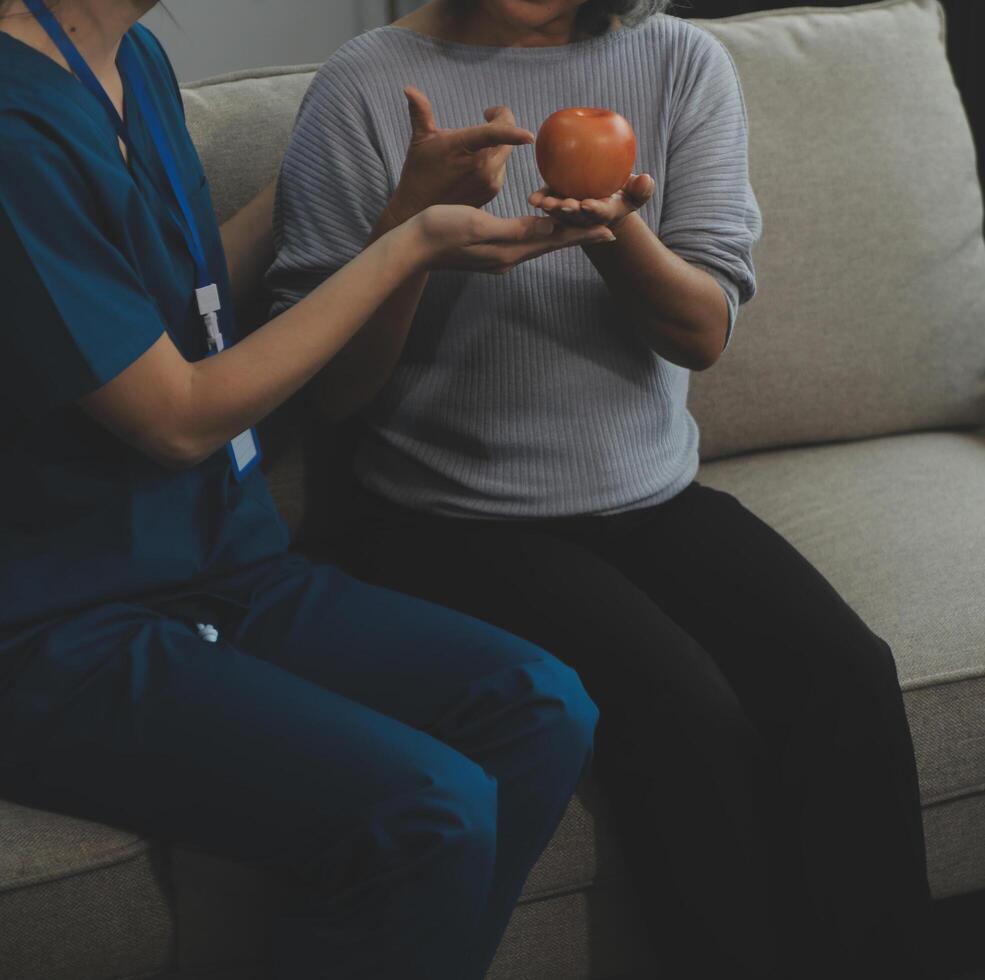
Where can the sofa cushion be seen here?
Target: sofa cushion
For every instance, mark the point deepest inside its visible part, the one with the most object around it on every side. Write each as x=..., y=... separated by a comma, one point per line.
x=955, y=834
x=78, y=900
x=241, y=124
x=870, y=317
x=897, y=525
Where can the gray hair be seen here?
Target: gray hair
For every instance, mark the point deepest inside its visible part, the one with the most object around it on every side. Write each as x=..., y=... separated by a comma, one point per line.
x=595, y=16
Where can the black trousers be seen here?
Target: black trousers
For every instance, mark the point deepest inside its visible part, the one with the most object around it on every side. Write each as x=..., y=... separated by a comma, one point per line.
x=752, y=742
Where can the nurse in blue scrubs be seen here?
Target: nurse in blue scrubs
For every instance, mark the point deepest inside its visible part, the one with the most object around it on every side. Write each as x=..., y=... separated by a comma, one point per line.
x=165, y=664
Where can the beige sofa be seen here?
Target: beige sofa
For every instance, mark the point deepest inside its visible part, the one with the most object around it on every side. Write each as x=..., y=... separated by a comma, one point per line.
x=847, y=413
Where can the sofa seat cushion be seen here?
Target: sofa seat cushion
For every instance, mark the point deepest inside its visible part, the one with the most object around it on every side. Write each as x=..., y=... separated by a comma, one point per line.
x=897, y=525
x=79, y=900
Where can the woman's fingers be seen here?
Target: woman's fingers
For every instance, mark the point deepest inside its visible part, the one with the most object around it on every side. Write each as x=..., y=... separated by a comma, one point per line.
x=421, y=113
x=608, y=210
x=493, y=134
x=633, y=195
x=553, y=206
x=500, y=128
x=639, y=189
x=499, y=114
x=630, y=197
x=566, y=210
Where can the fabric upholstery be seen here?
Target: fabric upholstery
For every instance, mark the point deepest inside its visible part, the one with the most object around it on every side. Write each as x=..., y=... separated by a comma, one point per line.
x=241, y=123
x=586, y=934
x=897, y=525
x=80, y=901
x=955, y=832
x=870, y=317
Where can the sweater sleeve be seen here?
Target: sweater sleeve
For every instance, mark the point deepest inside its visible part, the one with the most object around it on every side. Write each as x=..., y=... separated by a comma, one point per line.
x=710, y=215
x=333, y=187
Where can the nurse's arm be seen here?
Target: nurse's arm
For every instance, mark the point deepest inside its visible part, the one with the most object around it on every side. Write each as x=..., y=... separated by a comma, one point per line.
x=248, y=241
x=180, y=412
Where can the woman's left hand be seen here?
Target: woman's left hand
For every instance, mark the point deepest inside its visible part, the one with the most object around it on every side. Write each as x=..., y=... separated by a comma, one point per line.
x=611, y=211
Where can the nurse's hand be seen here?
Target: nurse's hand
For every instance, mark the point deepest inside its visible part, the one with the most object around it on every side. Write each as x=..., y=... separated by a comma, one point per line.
x=459, y=237
x=610, y=211
x=453, y=166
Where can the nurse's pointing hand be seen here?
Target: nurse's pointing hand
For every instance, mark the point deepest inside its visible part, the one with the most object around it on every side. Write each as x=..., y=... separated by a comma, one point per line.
x=454, y=166
x=456, y=237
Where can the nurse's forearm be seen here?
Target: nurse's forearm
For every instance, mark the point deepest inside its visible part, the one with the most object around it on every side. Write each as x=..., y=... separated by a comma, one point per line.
x=245, y=383
x=179, y=412
x=352, y=379
x=248, y=240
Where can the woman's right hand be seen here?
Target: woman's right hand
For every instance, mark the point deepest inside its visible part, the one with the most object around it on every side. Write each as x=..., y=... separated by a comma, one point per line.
x=462, y=237
x=453, y=166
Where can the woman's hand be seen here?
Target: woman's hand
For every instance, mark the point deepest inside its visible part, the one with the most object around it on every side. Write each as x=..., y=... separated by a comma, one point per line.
x=610, y=212
x=459, y=237
x=454, y=166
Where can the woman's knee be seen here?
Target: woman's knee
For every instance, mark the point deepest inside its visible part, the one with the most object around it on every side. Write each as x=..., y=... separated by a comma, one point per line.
x=855, y=659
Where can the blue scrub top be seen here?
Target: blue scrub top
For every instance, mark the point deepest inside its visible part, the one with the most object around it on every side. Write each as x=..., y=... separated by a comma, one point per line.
x=94, y=270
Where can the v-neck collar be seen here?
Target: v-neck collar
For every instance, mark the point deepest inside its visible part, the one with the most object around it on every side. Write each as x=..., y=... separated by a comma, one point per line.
x=143, y=166
x=51, y=72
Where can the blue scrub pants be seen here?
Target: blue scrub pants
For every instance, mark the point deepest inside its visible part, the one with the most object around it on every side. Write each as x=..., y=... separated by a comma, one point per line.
x=403, y=765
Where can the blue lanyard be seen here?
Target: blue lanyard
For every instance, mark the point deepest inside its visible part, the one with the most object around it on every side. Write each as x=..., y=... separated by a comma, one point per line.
x=207, y=295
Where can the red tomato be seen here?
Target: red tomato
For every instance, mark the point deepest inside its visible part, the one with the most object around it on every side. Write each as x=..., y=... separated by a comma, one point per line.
x=585, y=153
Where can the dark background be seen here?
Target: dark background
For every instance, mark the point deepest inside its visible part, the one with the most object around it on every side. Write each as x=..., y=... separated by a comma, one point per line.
x=965, y=34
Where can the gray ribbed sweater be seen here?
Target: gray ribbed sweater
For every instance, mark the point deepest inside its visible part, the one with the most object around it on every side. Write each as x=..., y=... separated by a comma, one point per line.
x=524, y=395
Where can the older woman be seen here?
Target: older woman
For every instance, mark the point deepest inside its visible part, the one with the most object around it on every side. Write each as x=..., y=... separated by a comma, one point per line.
x=525, y=454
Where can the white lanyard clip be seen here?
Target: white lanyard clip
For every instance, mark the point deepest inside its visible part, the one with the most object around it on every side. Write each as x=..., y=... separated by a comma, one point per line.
x=208, y=307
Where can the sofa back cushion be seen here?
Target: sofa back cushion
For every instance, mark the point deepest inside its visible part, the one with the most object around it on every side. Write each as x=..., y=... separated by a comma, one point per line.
x=241, y=124
x=870, y=317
